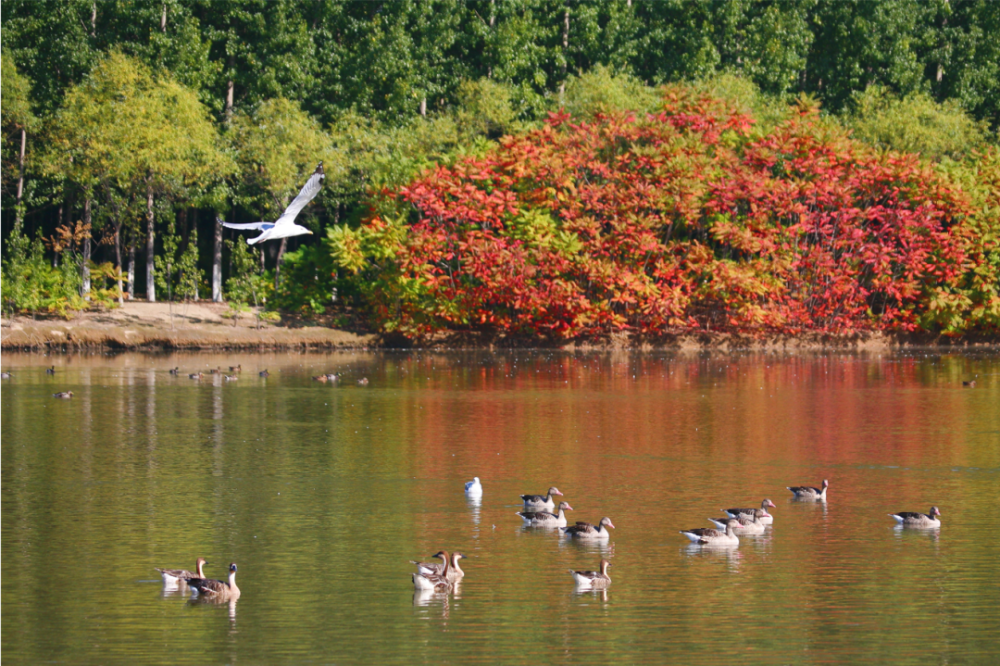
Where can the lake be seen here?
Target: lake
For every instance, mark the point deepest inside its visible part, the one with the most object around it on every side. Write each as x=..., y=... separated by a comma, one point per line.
x=323, y=493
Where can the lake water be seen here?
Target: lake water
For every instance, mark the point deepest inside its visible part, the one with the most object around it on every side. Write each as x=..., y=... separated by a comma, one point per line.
x=323, y=493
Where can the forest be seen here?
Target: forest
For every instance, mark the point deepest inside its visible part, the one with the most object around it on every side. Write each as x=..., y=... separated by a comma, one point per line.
x=555, y=168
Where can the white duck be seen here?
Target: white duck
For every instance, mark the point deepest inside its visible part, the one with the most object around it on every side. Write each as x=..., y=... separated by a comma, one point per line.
x=474, y=488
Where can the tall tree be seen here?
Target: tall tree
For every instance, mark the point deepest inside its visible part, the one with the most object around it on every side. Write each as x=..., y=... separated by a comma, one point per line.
x=18, y=119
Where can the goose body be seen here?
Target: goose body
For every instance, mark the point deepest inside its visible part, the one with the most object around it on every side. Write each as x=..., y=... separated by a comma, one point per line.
x=913, y=519
x=181, y=576
x=761, y=514
x=546, y=518
x=216, y=590
x=747, y=524
x=50, y=371
x=175, y=371
x=474, y=488
x=264, y=373
x=195, y=375
x=810, y=493
x=593, y=580
x=541, y=502
x=434, y=582
x=230, y=378
x=5, y=375
x=708, y=537
x=363, y=381
x=450, y=569
x=215, y=371
x=236, y=369
x=587, y=531
x=65, y=395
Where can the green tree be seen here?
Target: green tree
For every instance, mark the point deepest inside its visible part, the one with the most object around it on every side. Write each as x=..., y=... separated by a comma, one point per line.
x=17, y=120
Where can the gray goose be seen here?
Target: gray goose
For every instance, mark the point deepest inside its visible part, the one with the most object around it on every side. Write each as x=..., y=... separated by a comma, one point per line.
x=761, y=514
x=449, y=568
x=708, y=537
x=434, y=582
x=541, y=502
x=216, y=590
x=180, y=576
x=913, y=519
x=65, y=395
x=593, y=580
x=748, y=525
x=546, y=518
x=587, y=531
x=810, y=493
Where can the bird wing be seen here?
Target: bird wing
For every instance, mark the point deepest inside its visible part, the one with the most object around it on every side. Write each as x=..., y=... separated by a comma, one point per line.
x=250, y=225
x=307, y=194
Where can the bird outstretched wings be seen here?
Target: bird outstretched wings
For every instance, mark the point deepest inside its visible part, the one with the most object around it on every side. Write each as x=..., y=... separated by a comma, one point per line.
x=285, y=225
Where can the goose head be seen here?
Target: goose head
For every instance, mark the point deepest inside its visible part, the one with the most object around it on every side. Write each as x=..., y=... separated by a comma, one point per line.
x=564, y=506
x=935, y=512
x=606, y=522
x=554, y=491
x=768, y=503
x=825, y=484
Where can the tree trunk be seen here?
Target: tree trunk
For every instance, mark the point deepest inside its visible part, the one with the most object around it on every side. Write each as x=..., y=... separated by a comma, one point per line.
x=277, y=267
x=163, y=19
x=423, y=106
x=86, y=248
x=131, y=270
x=565, y=52
x=93, y=19
x=217, y=262
x=150, y=240
x=20, y=166
x=230, y=90
x=118, y=261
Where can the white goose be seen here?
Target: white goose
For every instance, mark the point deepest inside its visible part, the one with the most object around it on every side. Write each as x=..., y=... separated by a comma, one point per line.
x=285, y=225
x=545, y=518
x=704, y=536
x=474, y=488
x=913, y=519
x=593, y=580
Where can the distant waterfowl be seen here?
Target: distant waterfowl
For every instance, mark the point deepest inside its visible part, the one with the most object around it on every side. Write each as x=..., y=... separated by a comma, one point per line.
x=450, y=568
x=230, y=378
x=474, y=488
x=810, y=493
x=264, y=373
x=435, y=582
x=180, y=576
x=761, y=514
x=969, y=384
x=320, y=378
x=215, y=371
x=175, y=371
x=913, y=519
x=216, y=590
x=545, y=518
x=363, y=381
x=236, y=369
x=50, y=371
x=710, y=537
x=195, y=375
x=587, y=531
x=747, y=524
x=593, y=580
x=5, y=375
x=65, y=395
x=541, y=502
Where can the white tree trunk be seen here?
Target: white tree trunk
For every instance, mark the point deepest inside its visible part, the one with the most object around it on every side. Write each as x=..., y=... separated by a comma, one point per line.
x=85, y=269
x=150, y=244
x=217, y=262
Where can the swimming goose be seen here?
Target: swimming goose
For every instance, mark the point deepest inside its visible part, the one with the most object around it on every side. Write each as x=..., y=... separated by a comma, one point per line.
x=593, y=580
x=969, y=384
x=541, y=502
x=180, y=576
x=320, y=378
x=587, y=531
x=195, y=375
x=236, y=369
x=363, y=381
x=747, y=524
x=5, y=375
x=810, y=493
x=708, y=537
x=544, y=518
x=215, y=371
x=761, y=514
x=913, y=519
x=264, y=373
x=230, y=378
x=217, y=590
x=50, y=371
x=436, y=582
x=449, y=568
x=175, y=371
x=474, y=488
x=65, y=395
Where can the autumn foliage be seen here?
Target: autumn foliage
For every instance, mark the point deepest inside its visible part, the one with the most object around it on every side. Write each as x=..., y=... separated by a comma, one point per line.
x=692, y=219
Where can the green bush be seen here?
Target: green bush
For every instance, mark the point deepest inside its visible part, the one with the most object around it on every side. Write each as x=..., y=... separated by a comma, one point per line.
x=32, y=284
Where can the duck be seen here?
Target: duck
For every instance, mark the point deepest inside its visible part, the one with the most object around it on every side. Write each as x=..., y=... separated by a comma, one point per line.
x=215, y=371
x=810, y=493
x=434, y=582
x=474, y=488
x=50, y=371
x=587, y=531
x=449, y=569
x=320, y=378
x=65, y=395
x=363, y=381
x=230, y=378
x=175, y=371
x=704, y=536
x=545, y=518
x=264, y=373
x=541, y=502
x=5, y=375
x=761, y=514
x=195, y=375
x=333, y=377
x=236, y=369
x=913, y=519
x=216, y=590
x=180, y=576
x=593, y=580
x=747, y=524
x=969, y=384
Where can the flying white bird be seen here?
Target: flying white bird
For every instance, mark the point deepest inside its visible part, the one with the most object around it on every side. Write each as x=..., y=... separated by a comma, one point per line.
x=285, y=225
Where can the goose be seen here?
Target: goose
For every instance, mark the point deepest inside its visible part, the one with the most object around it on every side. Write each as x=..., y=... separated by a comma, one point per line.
x=215, y=371
x=761, y=514
x=65, y=395
x=449, y=569
x=285, y=225
x=704, y=536
x=230, y=378
x=474, y=488
x=544, y=518
x=435, y=582
x=593, y=580
x=5, y=375
x=363, y=381
x=541, y=502
x=50, y=371
x=175, y=371
x=969, y=384
x=912, y=519
x=747, y=524
x=810, y=493
x=195, y=375
x=587, y=531
x=217, y=590
x=180, y=576
x=320, y=378
x=264, y=373
x=236, y=369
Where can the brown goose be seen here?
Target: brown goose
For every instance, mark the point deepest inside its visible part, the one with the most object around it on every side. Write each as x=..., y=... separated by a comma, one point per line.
x=215, y=371
x=50, y=371
x=587, y=531
x=761, y=514
x=65, y=395
x=180, y=576
x=541, y=502
x=449, y=569
x=969, y=384
x=264, y=373
x=230, y=378
x=195, y=375
x=545, y=518
x=593, y=580
x=747, y=524
x=434, y=582
x=236, y=369
x=216, y=590
x=810, y=493
x=708, y=537
x=913, y=519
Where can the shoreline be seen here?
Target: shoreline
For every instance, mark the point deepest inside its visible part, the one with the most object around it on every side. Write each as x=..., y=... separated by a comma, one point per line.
x=159, y=327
